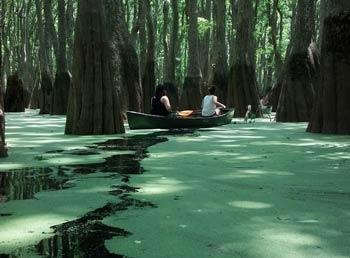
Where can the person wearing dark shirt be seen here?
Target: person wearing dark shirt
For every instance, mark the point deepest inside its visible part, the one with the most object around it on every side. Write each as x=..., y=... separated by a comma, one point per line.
x=160, y=102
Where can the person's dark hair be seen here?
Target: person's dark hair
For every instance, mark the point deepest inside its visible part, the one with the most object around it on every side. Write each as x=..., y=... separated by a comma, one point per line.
x=160, y=91
x=212, y=90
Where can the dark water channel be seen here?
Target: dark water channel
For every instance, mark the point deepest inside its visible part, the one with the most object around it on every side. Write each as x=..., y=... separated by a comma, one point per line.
x=85, y=236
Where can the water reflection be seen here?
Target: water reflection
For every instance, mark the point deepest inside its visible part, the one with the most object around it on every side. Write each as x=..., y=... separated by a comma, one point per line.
x=22, y=184
x=85, y=236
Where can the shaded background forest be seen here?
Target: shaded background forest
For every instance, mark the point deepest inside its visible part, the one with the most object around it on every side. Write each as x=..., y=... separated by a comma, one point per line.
x=249, y=49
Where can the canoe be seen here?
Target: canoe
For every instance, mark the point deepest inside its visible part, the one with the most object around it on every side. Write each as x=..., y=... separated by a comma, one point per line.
x=138, y=120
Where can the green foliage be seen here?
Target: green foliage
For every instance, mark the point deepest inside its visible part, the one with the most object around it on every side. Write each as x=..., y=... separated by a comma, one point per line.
x=20, y=39
x=203, y=26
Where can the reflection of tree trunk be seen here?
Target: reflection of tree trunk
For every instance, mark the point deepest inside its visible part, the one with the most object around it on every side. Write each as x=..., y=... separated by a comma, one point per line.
x=242, y=90
x=191, y=95
x=331, y=110
x=93, y=106
x=297, y=92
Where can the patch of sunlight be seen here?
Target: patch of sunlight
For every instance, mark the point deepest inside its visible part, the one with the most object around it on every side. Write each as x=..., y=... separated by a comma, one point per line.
x=255, y=172
x=96, y=189
x=308, y=221
x=151, y=189
x=12, y=127
x=233, y=176
x=162, y=168
x=294, y=238
x=246, y=137
x=260, y=172
x=249, y=157
x=13, y=230
x=232, y=145
x=188, y=139
x=162, y=186
x=335, y=156
x=220, y=153
x=250, y=205
x=164, y=154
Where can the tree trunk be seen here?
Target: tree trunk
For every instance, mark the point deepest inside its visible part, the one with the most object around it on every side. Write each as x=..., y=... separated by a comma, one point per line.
x=331, y=110
x=93, y=106
x=50, y=27
x=220, y=68
x=297, y=92
x=165, y=40
x=46, y=82
x=70, y=32
x=3, y=149
x=149, y=78
x=14, y=96
x=242, y=90
x=170, y=55
x=191, y=94
x=233, y=5
x=59, y=97
x=204, y=45
x=130, y=63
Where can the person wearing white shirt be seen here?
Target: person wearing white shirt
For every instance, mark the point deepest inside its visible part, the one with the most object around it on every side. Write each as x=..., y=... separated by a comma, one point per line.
x=210, y=104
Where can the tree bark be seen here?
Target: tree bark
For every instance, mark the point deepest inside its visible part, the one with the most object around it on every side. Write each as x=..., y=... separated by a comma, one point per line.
x=94, y=106
x=242, y=89
x=331, y=111
x=297, y=92
x=191, y=94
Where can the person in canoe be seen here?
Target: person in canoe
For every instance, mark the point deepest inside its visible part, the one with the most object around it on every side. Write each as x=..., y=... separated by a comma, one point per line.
x=210, y=104
x=160, y=102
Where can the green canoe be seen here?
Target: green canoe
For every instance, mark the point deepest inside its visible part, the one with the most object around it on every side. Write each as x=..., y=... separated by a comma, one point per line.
x=147, y=121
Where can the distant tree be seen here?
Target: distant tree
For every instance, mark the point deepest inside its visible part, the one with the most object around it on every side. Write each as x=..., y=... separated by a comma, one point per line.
x=148, y=74
x=130, y=63
x=59, y=97
x=94, y=104
x=219, y=60
x=191, y=94
x=242, y=89
x=205, y=48
x=170, y=51
x=331, y=110
x=45, y=74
